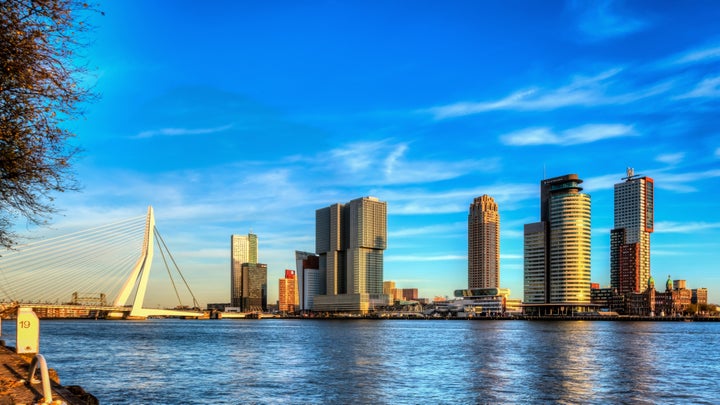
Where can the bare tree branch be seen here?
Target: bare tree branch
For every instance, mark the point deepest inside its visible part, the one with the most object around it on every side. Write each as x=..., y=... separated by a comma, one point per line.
x=39, y=90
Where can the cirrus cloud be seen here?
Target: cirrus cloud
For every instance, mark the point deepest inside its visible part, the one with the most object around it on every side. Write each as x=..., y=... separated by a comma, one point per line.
x=572, y=136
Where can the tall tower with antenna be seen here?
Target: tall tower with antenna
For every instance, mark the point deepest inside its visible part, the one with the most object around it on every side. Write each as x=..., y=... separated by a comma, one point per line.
x=630, y=238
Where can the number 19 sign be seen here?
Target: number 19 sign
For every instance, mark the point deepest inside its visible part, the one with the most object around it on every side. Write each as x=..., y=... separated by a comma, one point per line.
x=28, y=331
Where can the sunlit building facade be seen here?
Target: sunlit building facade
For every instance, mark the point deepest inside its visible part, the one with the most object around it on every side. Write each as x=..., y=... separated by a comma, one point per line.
x=673, y=301
x=243, y=249
x=699, y=296
x=287, y=292
x=410, y=294
x=249, y=287
x=534, y=264
x=630, y=238
x=557, y=249
x=569, y=243
x=350, y=240
x=482, y=301
x=483, y=243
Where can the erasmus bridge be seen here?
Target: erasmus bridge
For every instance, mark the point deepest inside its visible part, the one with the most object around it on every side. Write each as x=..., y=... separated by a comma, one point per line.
x=104, y=270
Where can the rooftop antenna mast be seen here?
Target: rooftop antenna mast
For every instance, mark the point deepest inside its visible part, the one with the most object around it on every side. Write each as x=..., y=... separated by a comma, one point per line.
x=630, y=172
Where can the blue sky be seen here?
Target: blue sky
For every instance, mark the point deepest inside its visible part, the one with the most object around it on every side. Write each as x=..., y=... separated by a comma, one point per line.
x=230, y=116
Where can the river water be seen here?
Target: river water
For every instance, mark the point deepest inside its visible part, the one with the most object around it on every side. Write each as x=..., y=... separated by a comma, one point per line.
x=384, y=361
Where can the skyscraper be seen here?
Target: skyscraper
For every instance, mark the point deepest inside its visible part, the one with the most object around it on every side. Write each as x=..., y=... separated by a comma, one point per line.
x=287, y=292
x=243, y=249
x=249, y=287
x=630, y=238
x=310, y=280
x=350, y=240
x=557, y=249
x=483, y=243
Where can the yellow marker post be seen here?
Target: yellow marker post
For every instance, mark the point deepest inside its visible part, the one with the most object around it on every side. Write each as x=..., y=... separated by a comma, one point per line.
x=27, y=331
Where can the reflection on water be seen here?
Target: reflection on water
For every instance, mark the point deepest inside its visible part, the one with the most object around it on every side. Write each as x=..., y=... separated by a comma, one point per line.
x=390, y=361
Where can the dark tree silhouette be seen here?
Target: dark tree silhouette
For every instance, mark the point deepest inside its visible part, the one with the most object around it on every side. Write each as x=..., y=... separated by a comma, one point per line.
x=40, y=88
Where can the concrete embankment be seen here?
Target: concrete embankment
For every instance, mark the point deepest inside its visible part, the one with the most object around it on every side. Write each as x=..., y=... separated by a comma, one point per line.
x=15, y=387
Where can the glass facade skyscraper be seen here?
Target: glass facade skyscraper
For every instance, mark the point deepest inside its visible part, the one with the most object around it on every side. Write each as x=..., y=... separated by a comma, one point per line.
x=243, y=250
x=249, y=286
x=557, y=249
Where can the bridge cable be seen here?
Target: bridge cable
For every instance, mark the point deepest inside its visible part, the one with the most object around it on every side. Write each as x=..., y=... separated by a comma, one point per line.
x=157, y=235
x=195, y=301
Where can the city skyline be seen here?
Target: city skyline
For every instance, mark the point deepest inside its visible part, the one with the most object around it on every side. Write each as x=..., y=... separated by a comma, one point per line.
x=236, y=116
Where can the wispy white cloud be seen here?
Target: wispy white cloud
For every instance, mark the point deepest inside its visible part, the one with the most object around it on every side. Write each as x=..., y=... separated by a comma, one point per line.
x=604, y=182
x=413, y=202
x=583, y=91
x=600, y=20
x=700, y=55
x=392, y=160
x=708, y=88
x=671, y=158
x=181, y=131
x=389, y=163
x=573, y=136
x=683, y=227
x=531, y=136
x=513, y=101
x=682, y=182
x=359, y=156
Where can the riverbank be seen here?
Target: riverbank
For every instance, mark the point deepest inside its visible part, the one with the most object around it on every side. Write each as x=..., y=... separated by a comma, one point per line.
x=16, y=389
x=619, y=318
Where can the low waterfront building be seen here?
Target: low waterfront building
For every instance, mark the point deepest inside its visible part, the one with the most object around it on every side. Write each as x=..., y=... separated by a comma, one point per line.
x=607, y=299
x=699, y=296
x=399, y=294
x=481, y=301
x=351, y=303
x=218, y=306
x=652, y=303
x=513, y=306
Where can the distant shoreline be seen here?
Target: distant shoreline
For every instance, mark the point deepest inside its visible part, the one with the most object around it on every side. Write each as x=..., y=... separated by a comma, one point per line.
x=619, y=318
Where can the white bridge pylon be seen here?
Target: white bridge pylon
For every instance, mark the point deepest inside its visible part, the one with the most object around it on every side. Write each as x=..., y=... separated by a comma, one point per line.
x=139, y=277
